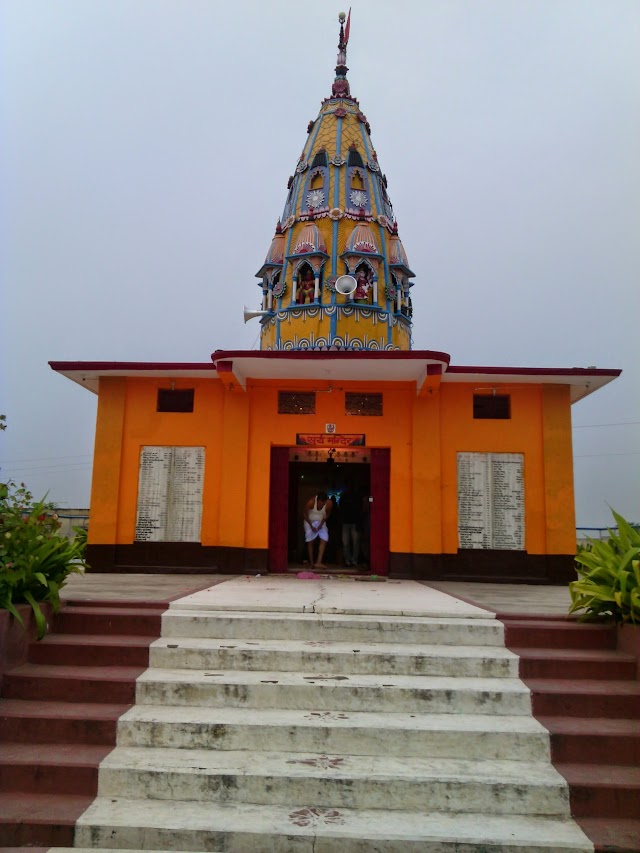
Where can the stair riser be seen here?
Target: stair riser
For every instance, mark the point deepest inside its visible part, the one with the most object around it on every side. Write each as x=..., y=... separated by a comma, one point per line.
x=68, y=689
x=33, y=834
x=86, y=655
x=596, y=749
x=142, y=624
x=337, y=792
x=567, y=705
x=604, y=802
x=561, y=637
x=48, y=779
x=123, y=838
x=342, y=741
x=327, y=662
x=219, y=627
x=614, y=669
x=32, y=730
x=333, y=697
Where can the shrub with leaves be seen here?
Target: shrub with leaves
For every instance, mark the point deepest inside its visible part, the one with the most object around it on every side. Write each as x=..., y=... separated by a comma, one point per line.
x=609, y=576
x=35, y=560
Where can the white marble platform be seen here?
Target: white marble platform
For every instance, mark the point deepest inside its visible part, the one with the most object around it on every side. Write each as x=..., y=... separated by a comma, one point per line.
x=334, y=595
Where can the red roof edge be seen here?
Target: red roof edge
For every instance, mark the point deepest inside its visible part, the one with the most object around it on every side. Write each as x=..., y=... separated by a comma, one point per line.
x=130, y=365
x=354, y=355
x=536, y=371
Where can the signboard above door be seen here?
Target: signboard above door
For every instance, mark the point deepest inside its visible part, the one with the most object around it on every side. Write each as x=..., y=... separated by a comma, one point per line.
x=330, y=439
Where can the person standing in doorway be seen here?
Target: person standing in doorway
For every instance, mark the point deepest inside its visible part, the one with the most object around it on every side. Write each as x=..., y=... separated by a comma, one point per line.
x=351, y=505
x=316, y=512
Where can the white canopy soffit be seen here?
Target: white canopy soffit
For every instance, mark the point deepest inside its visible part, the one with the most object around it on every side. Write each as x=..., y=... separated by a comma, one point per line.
x=384, y=366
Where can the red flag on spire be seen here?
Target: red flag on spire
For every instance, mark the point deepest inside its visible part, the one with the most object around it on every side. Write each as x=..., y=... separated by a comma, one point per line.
x=346, y=29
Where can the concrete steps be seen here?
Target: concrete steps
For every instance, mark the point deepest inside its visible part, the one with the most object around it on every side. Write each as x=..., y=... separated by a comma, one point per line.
x=340, y=781
x=211, y=624
x=588, y=697
x=61, y=767
x=501, y=737
x=332, y=657
x=58, y=719
x=333, y=692
x=286, y=732
x=304, y=828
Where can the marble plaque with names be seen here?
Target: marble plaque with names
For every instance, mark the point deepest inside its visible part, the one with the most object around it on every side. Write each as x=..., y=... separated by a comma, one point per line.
x=170, y=494
x=491, y=501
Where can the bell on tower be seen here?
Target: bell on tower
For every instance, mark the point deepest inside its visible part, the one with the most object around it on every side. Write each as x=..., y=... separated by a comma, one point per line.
x=337, y=221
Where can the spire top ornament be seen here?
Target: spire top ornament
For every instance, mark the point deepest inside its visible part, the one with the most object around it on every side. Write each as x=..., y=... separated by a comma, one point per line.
x=340, y=86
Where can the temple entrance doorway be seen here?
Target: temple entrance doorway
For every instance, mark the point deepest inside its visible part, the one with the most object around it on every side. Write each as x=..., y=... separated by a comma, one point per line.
x=299, y=473
x=336, y=478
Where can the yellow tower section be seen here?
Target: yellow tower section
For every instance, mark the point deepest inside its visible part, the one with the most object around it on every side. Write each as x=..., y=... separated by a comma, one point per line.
x=337, y=221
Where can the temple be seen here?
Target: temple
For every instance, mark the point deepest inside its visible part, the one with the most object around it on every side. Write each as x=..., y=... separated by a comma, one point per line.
x=464, y=472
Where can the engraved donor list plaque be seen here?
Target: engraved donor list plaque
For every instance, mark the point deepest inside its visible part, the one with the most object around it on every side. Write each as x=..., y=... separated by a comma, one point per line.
x=491, y=501
x=170, y=494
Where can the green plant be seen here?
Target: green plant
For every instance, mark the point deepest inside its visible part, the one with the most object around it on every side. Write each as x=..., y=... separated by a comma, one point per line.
x=35, y=560
x=609, y=576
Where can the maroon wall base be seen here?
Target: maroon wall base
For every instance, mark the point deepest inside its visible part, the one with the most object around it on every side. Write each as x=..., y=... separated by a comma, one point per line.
x=176, y=558
x=485, y=566
x=467, y=565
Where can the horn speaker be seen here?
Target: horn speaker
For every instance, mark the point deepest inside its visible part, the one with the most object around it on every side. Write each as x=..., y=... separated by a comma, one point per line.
x=346, y=285
x=249, y=315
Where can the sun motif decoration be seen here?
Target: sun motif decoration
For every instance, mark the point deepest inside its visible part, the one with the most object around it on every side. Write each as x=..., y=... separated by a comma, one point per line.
x=358, y=198
x=315, y=198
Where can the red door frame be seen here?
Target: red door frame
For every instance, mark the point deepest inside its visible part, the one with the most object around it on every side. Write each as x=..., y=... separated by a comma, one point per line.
x=279, y=510
x=380, y=473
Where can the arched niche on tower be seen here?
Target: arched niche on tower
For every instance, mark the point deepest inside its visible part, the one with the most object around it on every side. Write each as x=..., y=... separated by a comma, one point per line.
x=304, y=277
x=315, y=196
x=358, y=195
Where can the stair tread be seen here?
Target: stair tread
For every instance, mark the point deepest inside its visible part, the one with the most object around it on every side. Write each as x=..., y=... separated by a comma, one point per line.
x=97, y=640
x=332, y=680
x=327, y=621
x=70, y=754
x=617, y=835
x=55, y=809
x=83, y=673
x=597, y=775
x=551, y=623
x=335, y=647
x=95, y=610
x=296, y=764
x=369, y=720
x=400, y=827
x=591, y=725
x=33, y=709
x=585, y=685
x=595, y=655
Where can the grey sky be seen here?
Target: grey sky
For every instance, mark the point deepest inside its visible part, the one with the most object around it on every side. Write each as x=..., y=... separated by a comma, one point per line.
x=146, y=150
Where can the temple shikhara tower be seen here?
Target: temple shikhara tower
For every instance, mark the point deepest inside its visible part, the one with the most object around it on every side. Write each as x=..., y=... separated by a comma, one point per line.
x=460, y=471
x=337, y=220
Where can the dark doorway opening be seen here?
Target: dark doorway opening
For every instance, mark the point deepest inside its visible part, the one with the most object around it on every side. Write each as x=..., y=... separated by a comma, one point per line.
x=306, y=479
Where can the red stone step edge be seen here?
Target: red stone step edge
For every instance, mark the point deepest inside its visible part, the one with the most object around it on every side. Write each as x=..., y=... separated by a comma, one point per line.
x=58, y=768
x=49, y=820
x=612, y=835
x=33, y=721
x=593, y=740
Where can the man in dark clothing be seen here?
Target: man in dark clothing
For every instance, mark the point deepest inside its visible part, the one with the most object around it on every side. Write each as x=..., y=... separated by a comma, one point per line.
x=351, y=506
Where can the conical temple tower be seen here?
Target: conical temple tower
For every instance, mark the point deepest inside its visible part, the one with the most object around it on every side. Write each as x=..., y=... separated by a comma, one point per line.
x=337, y=221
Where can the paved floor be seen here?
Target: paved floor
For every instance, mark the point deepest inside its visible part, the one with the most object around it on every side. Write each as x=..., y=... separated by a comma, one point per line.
x=500, y=598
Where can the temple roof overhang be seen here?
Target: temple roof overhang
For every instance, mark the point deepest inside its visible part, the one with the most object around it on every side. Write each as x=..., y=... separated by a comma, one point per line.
x=424, y=367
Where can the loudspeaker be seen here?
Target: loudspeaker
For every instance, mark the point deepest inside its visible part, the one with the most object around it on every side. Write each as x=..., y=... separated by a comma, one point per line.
x=346, y=285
